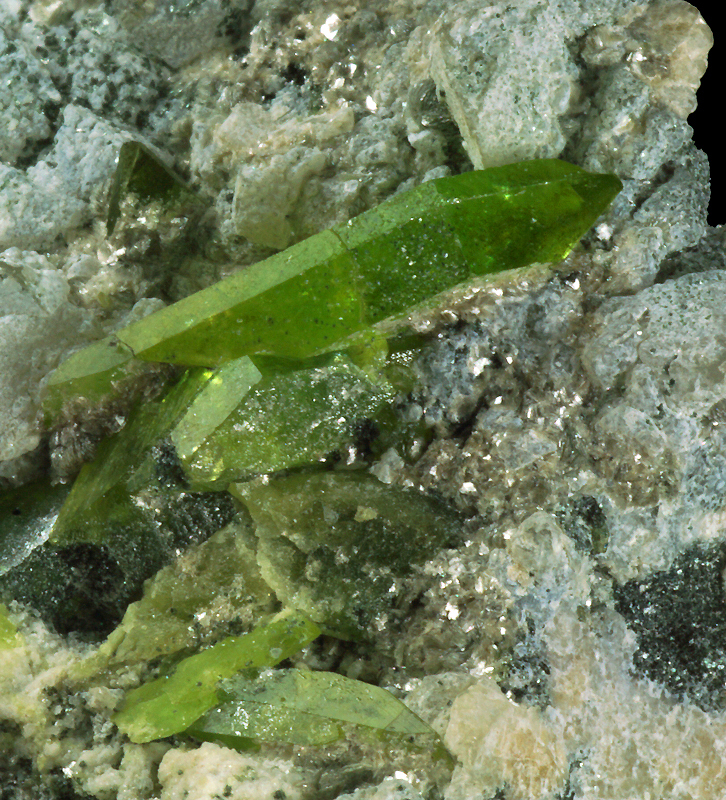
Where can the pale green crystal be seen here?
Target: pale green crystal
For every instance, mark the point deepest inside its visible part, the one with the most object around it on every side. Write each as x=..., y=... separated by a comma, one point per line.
x=303, y=707
x=218, y=578
x=221, y=395
x=170, y=704
x=333, y=544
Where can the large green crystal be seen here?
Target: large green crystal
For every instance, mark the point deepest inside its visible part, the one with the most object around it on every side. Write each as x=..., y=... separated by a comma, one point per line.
x=319, y=293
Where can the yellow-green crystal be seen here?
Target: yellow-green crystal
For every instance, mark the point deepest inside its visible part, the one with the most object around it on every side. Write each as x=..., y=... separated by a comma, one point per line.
x=319, y=293
x=170, y=704
x=220, y=572
x=285, y=417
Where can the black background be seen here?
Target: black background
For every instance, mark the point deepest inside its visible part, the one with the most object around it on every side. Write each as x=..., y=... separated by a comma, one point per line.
x=707, y=120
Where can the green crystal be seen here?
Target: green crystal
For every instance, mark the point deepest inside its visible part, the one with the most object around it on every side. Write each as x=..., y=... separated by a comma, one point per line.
x=318, y=294
x=144, y=176
x=222, y=394
x=285, y=416
x=171, y=703
x=222, y=572
x=103, y=490
x=332, y=544
x=303, y=707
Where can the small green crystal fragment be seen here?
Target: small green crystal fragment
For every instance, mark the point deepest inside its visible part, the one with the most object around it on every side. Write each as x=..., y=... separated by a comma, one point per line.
x=170, y=704
x=123, y=464
x=220, y=573
x=332, y=544
x=320, y=294
x=144, y=175
x=9, y=636
x=221, y=395
x=94, y=372
x=303, y=707
x=291, y=415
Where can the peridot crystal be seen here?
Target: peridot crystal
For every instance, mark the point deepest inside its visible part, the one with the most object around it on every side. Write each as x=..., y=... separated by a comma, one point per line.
x=319, y=294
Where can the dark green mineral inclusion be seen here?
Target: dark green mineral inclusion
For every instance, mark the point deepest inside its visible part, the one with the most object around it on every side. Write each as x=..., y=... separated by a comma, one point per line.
x=318, y=294
x=141, y=174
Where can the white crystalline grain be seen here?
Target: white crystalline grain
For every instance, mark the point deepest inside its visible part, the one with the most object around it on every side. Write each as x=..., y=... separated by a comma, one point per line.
x=500, y=742
x=53, y=197
x=508, y=108
x=36, y=322
x=209, y=772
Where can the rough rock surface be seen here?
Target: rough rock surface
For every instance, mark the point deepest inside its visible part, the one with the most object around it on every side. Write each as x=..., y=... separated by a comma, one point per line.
x=573, y=646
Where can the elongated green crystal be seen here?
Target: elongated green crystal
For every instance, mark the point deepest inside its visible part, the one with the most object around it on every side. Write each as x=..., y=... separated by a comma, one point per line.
x=315, y=295
x=305, y=708
x=170, y=704
x=123, y=464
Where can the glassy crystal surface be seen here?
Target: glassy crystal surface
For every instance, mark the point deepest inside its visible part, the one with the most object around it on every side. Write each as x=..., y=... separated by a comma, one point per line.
x=304, y=707
x=316, y=294
x=286, y=418
x=172, y=702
